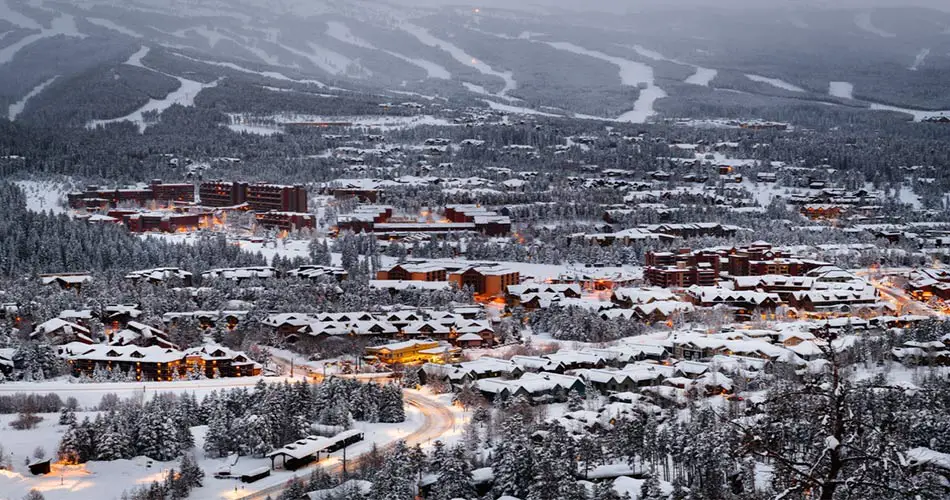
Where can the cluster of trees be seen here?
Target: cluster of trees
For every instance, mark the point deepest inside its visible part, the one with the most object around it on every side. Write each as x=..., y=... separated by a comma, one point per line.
x=177, y=484
x=576, y=323
x=271, y=416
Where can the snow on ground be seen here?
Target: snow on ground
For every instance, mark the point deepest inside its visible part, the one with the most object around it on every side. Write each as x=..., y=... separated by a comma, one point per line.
x=136, y=58
x=775, y=82
x=843, y=90
x=362, y=121
x=863, y=21
x=269, y=74
x=43, y=196
x=323, y=58
x=763, y=192
x=632, y=73
x=908, y=196
x=184, y=95
x=917, y=114
x=105, y=23
x=17, y=107
x=211, y=35
x=62, y=25
x=507, y=108
x=16, y=18
x=919, y=59
x=702, y=77
x=342, y=33
x=242, y=128
x=105, y=480
x=461, y=56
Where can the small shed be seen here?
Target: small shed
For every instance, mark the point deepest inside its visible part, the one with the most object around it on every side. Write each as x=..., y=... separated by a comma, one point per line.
x=255, y=475
x=40, y=467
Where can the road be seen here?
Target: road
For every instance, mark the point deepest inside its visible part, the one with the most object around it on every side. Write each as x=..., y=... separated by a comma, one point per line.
x=896, y=295
x=439, y=421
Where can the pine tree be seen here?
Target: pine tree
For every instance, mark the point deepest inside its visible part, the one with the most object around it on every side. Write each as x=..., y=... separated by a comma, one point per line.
x=391, y=408
x=650, y=490
x=394, y=481
x=70, y=445
x=455, y=477
x=513, y=460
x=218, y=440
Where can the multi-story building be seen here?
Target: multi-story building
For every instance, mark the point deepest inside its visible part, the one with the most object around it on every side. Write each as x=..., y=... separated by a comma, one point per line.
x=259, y=197
x=486, y=281
x=286, y=221
x=93, y=197
x=682, y=269
x=413, y=271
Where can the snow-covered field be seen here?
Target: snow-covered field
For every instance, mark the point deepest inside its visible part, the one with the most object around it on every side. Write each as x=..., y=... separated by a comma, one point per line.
x=362, y=121
x=461, y=56
x=44, y=196
x=844, y=90
x=106, y=480
x=184, y=95
x=17, y=107
x=775, y=82
x=632, y=73
x=702, y=77
x=919, y=59
x=863, y=21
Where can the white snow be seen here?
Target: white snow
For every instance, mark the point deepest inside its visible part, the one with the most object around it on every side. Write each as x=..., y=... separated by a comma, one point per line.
x=136, y=58
x=17, y=107
x=269, y=74
x=43, y=196
x=63, y=25
x=909, y=197
x=184, y=95
x=863, y=21
x=775, y=82
x=702, y=77
x=15, y=17
x=461, y=56
x=831, y=443
x=211, y=35
x=507, y=108
x=917, y=114
x=843, y=90
x=106, y=479
x=328, y=60
x=243, y=128
x=342, y=32
x=919, y=59
x=105, y=23
x=632, y=73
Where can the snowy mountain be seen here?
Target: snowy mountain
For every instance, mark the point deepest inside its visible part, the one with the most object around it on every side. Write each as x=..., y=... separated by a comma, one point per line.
x=95, y=61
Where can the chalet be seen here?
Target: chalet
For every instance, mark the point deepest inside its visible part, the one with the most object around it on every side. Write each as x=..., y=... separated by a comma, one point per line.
x=60, y=331
x=745, y=304
x=836, y=300
x=160, y=275
x=538, y=364
x=469, y=371
x=572, y=360
x=140, y=334
x=119, y=315
x=240, y=273
x=628, y=297
x=313, y=272
x=218, y=361
x=607, y=381
x=66, y=281
x=143, y=363
x=538, y=387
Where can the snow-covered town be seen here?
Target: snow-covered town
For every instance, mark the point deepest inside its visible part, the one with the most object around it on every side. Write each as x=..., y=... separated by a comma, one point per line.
x=515, y=251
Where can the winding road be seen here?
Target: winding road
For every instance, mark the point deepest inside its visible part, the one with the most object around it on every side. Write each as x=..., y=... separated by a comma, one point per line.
x=439, y=421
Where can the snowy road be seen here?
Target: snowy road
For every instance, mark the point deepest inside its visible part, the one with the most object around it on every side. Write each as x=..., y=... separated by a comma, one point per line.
x=439, y=421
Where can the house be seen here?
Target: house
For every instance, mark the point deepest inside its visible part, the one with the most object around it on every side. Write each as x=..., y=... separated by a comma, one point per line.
x=219, y=361
x=407, y=352
x=160, y=275
x=66, y=281
x=745, y=304
x=538, y=364
x=240, y=273
x=314, y=272
x=628, y=297
x=140, y=334
x=608, y=381
x=60, y=331
x=537, y=387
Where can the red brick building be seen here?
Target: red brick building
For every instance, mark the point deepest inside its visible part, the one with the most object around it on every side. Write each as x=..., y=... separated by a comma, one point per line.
x=259, y=197
x=682, y=269
x=165, y=194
